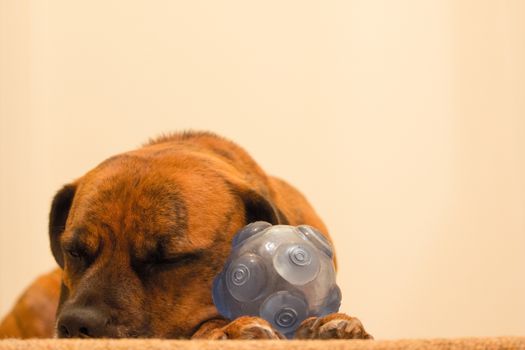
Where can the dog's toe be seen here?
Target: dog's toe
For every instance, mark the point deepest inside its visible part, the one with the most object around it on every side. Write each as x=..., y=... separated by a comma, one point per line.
x=334, y=326
x=245, y=327
x=255, y=329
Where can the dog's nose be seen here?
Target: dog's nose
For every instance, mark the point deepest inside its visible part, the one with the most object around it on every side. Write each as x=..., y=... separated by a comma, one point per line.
x=82, y=323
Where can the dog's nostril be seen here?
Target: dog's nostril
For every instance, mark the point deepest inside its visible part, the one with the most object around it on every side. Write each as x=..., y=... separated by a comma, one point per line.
x=83, y=331
x=64, y=332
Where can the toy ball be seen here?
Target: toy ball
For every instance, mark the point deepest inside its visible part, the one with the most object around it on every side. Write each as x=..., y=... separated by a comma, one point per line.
x=283, y=274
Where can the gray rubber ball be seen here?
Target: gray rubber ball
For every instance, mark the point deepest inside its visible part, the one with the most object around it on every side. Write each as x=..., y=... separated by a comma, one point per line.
x=281, y=273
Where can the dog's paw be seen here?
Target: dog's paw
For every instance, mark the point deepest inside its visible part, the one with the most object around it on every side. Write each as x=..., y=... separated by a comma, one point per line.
x=245, y=327
x=333, y=326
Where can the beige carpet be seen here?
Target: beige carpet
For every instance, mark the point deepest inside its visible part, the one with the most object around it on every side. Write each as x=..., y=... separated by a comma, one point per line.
x=502, y=343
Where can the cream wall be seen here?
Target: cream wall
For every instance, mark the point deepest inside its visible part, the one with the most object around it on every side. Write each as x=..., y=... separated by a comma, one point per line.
x=402, y=121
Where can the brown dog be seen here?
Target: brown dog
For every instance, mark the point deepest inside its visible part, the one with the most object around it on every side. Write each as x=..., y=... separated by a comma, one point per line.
x=140, y=238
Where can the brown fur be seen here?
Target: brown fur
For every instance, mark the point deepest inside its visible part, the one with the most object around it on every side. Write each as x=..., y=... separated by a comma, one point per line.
x=33, y=315
x=142, y=236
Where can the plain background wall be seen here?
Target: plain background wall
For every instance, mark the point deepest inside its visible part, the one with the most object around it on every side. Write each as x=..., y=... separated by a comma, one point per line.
x=402, y=121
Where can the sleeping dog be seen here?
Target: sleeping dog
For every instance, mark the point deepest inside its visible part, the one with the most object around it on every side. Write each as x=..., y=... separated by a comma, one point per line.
x=139, y=239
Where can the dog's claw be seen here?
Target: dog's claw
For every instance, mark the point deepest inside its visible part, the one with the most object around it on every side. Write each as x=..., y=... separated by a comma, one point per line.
x=334, y=326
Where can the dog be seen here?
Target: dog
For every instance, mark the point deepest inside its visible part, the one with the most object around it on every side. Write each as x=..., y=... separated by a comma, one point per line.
x=139, y=239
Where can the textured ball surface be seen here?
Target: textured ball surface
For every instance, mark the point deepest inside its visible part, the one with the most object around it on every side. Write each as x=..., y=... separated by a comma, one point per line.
x=281, y=273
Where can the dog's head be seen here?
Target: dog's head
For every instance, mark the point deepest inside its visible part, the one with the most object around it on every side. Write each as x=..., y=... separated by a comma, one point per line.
x=141, y=237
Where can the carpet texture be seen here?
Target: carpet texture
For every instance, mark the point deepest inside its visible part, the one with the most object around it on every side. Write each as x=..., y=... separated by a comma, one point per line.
x=502, y=343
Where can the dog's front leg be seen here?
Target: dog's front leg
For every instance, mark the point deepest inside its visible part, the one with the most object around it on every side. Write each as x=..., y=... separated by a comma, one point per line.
x=246, y=327
x=333, y=326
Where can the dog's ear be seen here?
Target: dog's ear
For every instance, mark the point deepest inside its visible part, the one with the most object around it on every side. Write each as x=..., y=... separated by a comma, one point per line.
x=57, y=219
x=259, y=208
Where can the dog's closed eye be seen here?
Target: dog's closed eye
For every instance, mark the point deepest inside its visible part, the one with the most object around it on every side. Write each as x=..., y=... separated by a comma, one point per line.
x=178, y=259
x=73, y=252
x=157, y=263
x=77, y=258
